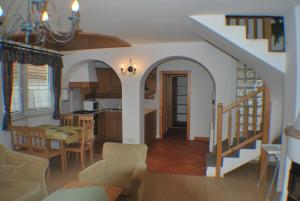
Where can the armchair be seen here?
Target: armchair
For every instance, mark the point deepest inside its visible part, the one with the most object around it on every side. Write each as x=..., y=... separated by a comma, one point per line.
x=123, y=165
x=22, y=176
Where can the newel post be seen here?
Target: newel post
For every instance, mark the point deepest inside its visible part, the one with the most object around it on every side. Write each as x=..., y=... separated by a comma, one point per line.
x=219, y=139
x=266, y=129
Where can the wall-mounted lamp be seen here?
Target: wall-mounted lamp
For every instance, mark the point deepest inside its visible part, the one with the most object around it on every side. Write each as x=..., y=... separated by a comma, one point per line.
x=130, y=69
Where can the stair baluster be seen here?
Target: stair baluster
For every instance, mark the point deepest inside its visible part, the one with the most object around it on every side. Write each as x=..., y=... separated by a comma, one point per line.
x=238, y=127
x=241, y=142
x=254, y=115
x=245, y=119
x=229, y=129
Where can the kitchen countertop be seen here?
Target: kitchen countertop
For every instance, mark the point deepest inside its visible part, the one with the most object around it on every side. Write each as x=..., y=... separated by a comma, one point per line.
x=146, y=111
x=96, y=112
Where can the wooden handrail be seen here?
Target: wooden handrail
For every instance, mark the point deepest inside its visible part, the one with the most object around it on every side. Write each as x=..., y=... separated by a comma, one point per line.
x=242, y=144
x=236, y=106
x=259, y=31
x=243, y=99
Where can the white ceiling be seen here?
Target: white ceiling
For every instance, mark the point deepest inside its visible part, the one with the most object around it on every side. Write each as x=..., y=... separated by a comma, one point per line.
x=155, y=21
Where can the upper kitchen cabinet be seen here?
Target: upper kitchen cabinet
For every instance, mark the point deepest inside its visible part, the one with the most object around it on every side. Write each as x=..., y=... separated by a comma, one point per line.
x=109, y=84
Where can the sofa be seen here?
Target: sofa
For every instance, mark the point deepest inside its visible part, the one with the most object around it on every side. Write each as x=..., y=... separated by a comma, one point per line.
x=22, y=176
x=123, y=165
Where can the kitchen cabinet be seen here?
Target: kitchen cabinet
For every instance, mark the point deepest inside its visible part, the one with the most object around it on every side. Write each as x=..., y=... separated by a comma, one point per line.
x=150, y=126
x=109, y=84
x=83, y=85
x=110, y=125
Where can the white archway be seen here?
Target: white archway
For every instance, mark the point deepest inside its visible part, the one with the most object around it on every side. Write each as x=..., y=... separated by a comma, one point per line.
x=198, y=113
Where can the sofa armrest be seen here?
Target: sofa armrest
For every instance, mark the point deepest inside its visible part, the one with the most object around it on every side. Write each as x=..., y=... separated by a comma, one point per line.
x=94, y=171
x=139, y=173
x=35, y=167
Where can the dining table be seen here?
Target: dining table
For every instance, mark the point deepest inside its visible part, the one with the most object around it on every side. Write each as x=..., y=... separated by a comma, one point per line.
x=67, y=134
x=62, y=134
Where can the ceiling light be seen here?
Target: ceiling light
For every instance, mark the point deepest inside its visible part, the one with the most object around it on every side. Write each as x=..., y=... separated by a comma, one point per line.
x=36, y=23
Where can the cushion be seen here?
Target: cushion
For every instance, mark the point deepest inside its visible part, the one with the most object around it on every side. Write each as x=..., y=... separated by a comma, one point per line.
x=12, y=172
x=78, y=194
x=123, y=158
x=123, y=182
x=19, y=190
x=2, y=155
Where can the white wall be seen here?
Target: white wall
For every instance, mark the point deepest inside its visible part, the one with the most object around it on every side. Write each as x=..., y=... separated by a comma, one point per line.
x=202, y=88
x=292, y=76
x=220, y=65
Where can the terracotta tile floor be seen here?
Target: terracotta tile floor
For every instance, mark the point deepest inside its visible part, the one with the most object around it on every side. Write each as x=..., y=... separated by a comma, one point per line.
x=175, y=155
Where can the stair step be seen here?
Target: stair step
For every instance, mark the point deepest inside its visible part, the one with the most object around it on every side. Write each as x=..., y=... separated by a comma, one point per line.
x=211, y=158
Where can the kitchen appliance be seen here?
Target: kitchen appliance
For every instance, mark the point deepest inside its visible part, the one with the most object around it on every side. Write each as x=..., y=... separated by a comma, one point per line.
x=90, y=105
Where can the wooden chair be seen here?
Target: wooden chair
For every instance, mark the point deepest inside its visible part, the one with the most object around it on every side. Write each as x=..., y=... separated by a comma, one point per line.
x=41, y=146
x=86, y=144
x=20, y=139
x=67, y=120
x=84, y=119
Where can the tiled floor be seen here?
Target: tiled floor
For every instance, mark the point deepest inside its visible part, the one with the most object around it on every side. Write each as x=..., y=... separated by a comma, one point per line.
x=175, y=155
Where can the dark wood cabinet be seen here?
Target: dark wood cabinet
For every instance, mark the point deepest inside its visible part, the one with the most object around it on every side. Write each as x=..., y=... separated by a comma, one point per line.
x=110, y=125
x=104, y=80
x=150, y=127
x=109, y=84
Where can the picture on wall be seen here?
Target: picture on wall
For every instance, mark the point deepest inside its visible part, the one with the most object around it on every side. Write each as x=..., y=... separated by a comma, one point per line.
x=277, y=39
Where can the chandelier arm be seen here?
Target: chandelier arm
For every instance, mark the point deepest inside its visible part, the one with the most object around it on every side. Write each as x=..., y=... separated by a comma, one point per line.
x=19, y=21
x=55, y=39
x=31, y=23
x=54, y=34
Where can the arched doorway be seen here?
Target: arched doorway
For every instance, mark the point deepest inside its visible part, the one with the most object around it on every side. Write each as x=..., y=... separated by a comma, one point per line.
x=95, y=81
x=187, y=79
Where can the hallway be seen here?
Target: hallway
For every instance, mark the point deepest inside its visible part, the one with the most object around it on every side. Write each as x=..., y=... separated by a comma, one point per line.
x=175, y=155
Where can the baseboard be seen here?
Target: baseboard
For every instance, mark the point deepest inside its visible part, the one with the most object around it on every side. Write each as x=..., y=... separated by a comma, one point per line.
x=201, y=139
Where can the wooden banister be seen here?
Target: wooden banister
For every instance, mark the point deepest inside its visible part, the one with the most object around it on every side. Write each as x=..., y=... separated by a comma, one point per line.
x=229, y=128
x=254, y=115
x=238, y=116
x=241, y=145
x=259, y=31
x=243, y=99
x=219, y=139
x=248, y=137
x=245, y=119
x=266, y=129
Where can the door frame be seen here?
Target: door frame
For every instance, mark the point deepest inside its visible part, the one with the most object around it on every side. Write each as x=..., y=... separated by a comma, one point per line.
x=162, y=126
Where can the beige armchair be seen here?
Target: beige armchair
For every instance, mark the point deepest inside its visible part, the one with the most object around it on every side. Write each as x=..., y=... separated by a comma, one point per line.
x=22, y=176
x=123, y=165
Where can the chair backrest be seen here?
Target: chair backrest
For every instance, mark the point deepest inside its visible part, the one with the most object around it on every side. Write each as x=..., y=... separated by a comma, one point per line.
x=67, y=120
x=121, y=159
x=88, y=132
x=83, y=119
x=20, y=137
x=40, y=143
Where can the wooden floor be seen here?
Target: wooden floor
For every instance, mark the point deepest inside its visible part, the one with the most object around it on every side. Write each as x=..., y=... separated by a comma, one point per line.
x=175, y=155
x=239, y=185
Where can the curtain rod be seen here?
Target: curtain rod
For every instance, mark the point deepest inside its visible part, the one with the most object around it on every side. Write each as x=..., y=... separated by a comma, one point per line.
x=29, y=47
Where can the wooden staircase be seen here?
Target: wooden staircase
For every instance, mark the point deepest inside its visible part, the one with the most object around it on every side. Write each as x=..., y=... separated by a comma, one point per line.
x=237, y=145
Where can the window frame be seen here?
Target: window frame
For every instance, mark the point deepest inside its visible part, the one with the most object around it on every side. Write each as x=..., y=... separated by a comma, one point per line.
x=25, y=111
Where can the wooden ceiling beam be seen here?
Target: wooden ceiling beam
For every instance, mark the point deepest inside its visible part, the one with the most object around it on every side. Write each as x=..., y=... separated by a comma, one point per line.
x=81, y=41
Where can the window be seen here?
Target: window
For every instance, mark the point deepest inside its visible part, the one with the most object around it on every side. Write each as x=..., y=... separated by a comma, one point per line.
x=247, y=81
x=31, y=92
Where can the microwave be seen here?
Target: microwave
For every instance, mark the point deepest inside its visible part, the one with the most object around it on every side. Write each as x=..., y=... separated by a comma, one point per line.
x=90, y=105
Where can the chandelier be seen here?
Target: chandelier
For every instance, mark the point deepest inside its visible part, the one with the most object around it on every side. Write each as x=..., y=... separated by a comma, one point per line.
x=34, y=23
